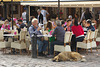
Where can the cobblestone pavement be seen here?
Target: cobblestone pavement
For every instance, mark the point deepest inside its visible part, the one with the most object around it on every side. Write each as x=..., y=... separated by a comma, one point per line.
x=7, y=60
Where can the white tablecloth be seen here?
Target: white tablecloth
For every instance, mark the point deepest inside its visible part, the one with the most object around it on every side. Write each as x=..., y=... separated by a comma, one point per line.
x=10, y=35
x=44, y=35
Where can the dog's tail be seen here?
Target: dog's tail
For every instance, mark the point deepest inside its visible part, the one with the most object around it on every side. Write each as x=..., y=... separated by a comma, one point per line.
x=82, y=59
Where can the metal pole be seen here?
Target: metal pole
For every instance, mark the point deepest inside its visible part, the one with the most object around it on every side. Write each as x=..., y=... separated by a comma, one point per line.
x=12, y=12
x=58, y=9
x=27, y=13
x=34, y=46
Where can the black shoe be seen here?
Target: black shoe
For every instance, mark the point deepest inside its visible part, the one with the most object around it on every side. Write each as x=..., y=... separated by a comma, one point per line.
x=40, y=54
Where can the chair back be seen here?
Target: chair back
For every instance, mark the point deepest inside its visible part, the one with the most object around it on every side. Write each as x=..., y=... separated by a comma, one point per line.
x=45, y=33
x=68, y=36
x=24, y=29
x=87, y=37
x=1, y=35
x=92, y=35
x=14, y=31
x=96, y=32
x=22, y=35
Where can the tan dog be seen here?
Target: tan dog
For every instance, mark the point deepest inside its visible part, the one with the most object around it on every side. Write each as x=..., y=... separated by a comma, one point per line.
x=68, y=56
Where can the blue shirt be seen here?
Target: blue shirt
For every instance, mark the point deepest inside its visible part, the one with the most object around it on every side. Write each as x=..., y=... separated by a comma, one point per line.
x=33, y=30
x=91, y=28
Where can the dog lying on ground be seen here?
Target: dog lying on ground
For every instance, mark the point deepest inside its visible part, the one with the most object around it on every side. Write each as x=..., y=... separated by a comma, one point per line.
x=68, y=56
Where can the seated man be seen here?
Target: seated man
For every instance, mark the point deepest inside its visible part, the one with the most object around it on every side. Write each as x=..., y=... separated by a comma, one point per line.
x=42, y=44
x=22, y=25
x=89, y=25
x=59, y=32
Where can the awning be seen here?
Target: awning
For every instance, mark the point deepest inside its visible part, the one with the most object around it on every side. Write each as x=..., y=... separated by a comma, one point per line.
x=63, y=4
x=1, y=3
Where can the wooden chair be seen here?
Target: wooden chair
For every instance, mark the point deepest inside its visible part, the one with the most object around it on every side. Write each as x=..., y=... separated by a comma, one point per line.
x=4, y=44
x=67, y=39
x=94, y=36
x=86, y=43
x=21, y=44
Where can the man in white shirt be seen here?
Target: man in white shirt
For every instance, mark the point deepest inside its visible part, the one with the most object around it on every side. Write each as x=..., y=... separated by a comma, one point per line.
x=24, y=16
x=45, y=14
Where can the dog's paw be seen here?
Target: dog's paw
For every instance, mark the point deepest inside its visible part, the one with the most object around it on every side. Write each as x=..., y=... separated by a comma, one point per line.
x=83, y=60
x=53, y=60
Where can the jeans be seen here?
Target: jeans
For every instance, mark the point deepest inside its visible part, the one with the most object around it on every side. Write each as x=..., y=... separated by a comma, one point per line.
x=52, y=46
x=42, y=45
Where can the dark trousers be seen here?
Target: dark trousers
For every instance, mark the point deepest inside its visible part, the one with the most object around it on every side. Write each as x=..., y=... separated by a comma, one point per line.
x=52, y=46
x=74, y=41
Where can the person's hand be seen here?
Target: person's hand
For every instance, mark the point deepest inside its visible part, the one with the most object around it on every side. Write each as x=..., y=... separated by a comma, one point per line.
x=39, y=28
x=47, y=29
x=89, y=30
x=65, y=29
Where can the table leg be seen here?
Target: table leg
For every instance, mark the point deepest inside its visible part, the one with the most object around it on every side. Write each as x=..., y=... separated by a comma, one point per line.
x=48, y=46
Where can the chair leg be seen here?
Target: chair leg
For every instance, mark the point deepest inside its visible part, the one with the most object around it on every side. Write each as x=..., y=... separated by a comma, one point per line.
x=54, y=53
x=91, y=50
x=96, y=49
x=37, y=52
x=27, y=51
x=86, y=51
x=20, y=51
x=76, y=49
x=11, y=50
x=3, y=50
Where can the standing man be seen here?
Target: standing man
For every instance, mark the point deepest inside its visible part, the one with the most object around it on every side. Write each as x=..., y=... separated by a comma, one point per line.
x=45, y=14
x=24, y=16
x=40, y=16
x=42, y=44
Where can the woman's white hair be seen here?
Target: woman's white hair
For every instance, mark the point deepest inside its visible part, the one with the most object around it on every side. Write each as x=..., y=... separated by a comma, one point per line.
x=58, y=22
x=33, y=20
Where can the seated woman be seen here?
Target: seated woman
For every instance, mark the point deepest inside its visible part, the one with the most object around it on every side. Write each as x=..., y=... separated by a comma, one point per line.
x=68, y=25
x=49, y=29
x=6, y=28
x=83, y=24
x=78, y=32
x=59, y=32
x=15, y=26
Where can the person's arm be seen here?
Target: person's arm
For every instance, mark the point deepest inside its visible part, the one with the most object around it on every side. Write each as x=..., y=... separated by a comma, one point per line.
x=31, y=31
x=42, y=18
x=47, y=13
x=2, y=27
x=8, y=27
x=54, y=32
x=82, y=16
x=92, y=28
